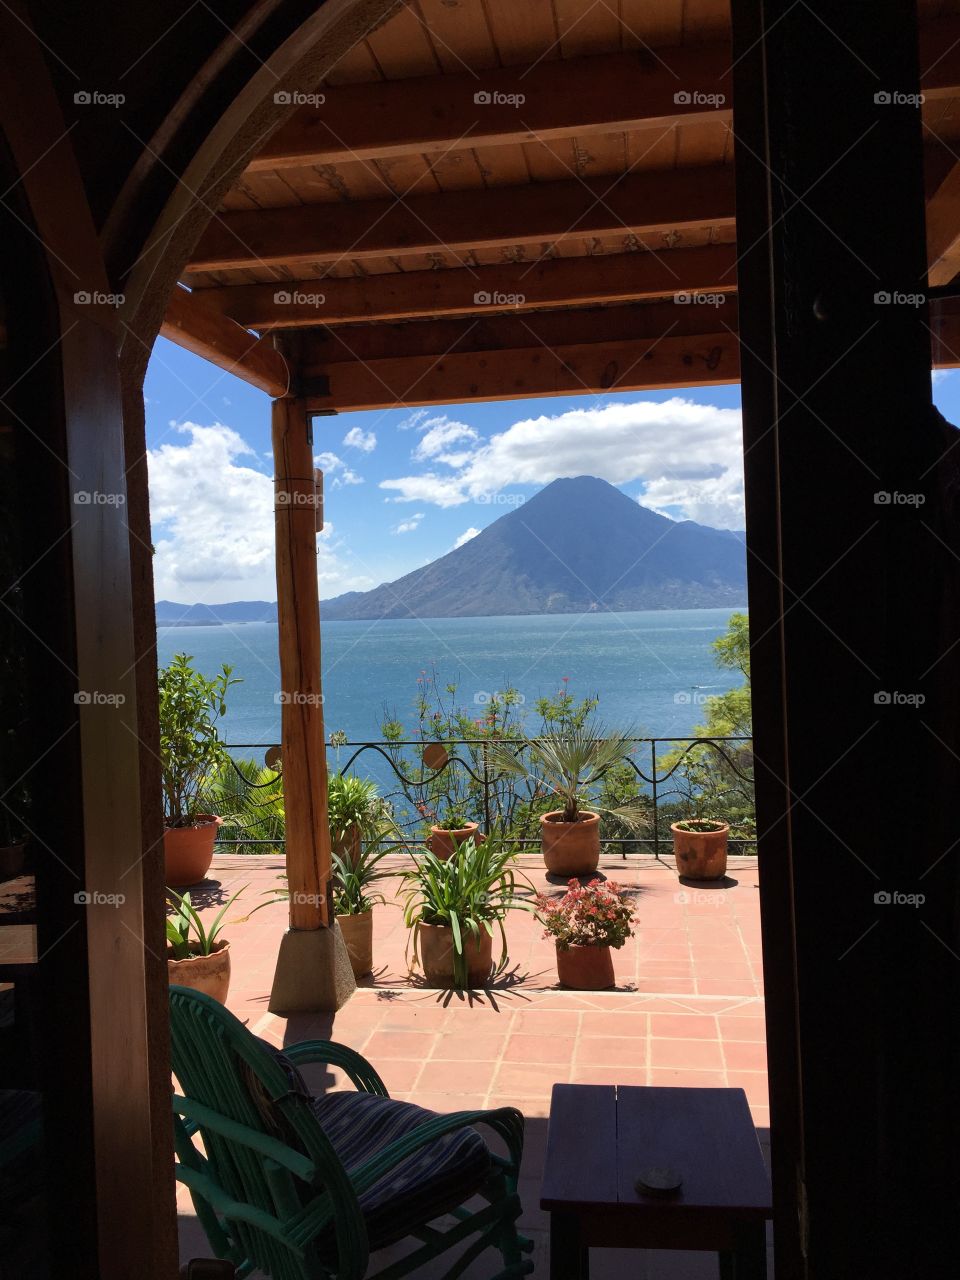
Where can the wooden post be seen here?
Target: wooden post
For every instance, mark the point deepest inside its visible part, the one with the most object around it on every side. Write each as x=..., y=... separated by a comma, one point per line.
x=298, y=614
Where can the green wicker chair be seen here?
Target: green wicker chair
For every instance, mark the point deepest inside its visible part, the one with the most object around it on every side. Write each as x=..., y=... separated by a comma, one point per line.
x=306, y=1188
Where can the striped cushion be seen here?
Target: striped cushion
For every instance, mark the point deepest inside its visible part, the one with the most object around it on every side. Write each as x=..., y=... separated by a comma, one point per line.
x=428, y=1183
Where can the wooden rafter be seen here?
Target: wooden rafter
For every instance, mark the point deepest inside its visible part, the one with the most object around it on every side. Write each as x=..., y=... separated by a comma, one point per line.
x=521, y=286
x=225, y=343
x=642, y=205
x=943, y=229
x=605, y=93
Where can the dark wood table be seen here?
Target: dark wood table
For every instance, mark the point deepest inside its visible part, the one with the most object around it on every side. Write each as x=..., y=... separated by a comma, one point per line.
x=601, y=1138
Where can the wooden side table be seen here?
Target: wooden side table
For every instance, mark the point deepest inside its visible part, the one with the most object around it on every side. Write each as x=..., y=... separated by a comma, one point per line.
x=602, y=1138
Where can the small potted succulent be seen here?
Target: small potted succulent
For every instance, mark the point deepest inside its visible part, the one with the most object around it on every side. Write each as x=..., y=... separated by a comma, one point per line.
x=449, y=833
x=700, y=842
x=588, y=924
x=452, y=907
x=566, y=763
x=195, y=956
x=190, y=754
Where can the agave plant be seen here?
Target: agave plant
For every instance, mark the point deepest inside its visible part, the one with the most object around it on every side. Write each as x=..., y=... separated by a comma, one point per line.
x=567, y=763
x=352, y=881
x=468, y=893
x=186, y=933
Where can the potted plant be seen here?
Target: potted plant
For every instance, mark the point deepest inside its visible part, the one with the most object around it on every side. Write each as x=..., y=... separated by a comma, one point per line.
x=700, y=848
x=190, y=753
x=588, y=923
x=700, y=842
x=448, y=835
x=566, y=763
x=354, y=811
x=195, y=956
x=452, y=906
x=354, y=900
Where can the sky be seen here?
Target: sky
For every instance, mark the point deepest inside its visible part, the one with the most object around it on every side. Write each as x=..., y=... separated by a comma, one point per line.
x=402, y=486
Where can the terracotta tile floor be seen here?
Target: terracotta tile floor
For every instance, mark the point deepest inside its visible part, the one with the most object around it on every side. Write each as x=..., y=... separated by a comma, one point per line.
x=688, y=1010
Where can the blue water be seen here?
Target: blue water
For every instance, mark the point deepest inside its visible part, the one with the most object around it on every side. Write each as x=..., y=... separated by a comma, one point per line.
x=651, y=670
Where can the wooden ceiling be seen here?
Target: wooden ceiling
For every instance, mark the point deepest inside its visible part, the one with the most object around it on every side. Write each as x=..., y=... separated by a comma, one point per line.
x=489, y=199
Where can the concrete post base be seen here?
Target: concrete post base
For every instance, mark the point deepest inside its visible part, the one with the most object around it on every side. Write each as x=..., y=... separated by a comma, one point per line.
x=313, y=973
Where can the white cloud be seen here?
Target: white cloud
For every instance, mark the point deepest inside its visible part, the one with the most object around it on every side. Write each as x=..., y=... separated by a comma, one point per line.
x=439, y=434
x=212, y=510
x=408, y=526
x=365, y=441
x=335, y=470
x=688, y=455
x=465, y=537
x=940, y=375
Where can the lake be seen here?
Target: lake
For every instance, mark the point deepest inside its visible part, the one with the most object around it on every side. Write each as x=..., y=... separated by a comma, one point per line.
x=651, y=670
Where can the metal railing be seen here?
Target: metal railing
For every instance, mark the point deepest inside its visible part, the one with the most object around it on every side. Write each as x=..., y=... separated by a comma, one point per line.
x=661, y=768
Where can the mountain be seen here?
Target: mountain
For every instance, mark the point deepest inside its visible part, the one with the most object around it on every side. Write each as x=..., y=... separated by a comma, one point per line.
x=171, y=614
x=577, y=545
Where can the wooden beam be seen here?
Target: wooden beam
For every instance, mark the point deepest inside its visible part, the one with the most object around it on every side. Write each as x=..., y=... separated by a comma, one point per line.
x=943, y=229
x=595, y=368
x=225, y=343
x=456, y=221
x=605, y=93
x=308, y=857
x=515, y=286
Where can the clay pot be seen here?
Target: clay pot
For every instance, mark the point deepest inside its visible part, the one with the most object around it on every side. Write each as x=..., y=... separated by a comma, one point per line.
x=570, y=848
x=701, y=855
x=347, y=845
x=443, y=842
x=209, y=974
x=586, y=968
x=436, y=955
x=357, y=933
x=188, y=851
x=11, y=860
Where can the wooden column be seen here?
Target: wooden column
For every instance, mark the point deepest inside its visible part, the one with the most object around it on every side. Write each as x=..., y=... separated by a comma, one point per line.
x=298, y=612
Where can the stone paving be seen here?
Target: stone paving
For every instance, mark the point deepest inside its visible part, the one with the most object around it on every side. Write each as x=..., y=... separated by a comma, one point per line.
x=687, y=1011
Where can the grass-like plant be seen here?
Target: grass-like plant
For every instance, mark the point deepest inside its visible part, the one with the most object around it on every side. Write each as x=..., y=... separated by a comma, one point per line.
x=186, y=933
x=470, y=892
x=352, y=881
x=567, y=763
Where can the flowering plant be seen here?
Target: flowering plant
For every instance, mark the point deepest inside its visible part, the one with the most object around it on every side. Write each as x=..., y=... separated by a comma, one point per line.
x=597, y=914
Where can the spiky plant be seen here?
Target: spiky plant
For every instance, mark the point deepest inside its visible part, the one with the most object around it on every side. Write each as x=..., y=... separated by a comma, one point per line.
x=567, y=763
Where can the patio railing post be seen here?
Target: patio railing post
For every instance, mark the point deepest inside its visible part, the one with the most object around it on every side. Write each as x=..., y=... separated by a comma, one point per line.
x=656, y=811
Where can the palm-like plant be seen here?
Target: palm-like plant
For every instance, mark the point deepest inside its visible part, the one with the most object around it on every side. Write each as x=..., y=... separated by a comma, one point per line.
x=468, y=893
x=567, y=763
x=249, y=798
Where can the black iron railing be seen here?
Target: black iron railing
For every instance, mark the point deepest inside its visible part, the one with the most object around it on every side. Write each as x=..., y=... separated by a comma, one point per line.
x=665, y=772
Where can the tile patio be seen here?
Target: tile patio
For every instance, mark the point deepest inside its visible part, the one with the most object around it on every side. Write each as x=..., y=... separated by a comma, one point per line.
x=688, y=1010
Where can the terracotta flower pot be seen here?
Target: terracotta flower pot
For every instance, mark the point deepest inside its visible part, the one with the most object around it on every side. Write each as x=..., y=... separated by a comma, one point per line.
x=443, y=842
x=586, y=968
x=701, y=855
x=188, y=851
x=11, y=860
x=357, y=933
x=436, y=955
x=570, y=848
x=209, y=974
x=347, y=845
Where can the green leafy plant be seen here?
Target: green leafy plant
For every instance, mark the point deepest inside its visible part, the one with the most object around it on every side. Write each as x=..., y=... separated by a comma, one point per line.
x=570, y=761
x=354, y=803
x=352, y=881
x=469, y=893
x=186, y=932
x=249, y=799
x=455, y=818
x=190, y=746
x=598, y=914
